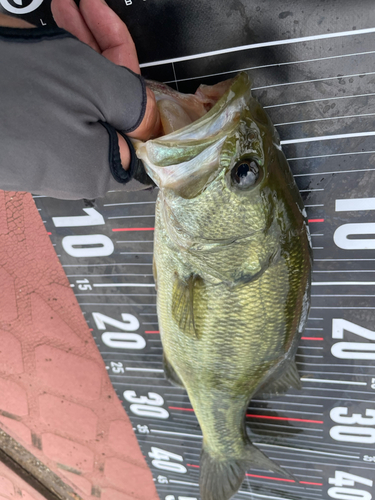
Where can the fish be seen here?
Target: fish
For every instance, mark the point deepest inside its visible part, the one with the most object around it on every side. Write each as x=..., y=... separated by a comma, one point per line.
x=232, y=267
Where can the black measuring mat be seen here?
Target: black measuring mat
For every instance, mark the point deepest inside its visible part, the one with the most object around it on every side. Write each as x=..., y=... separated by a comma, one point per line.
x=312, y=66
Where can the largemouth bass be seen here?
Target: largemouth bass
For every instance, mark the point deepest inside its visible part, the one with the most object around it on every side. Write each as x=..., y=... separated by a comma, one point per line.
x=232, y=268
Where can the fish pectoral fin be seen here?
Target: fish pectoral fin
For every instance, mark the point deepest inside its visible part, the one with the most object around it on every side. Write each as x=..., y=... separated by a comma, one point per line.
x=183, y=304
x=170, y=373
x=280, y=384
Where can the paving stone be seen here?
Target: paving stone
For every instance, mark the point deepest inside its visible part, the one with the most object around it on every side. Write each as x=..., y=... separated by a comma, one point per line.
x=13, y=398
x=10, y=353
x=67, y=452
x=122, y=440
x=83, y=485
x=71, y=419
x=68, y=374
x=123, y=474
x=8, y=303
x=6, y=486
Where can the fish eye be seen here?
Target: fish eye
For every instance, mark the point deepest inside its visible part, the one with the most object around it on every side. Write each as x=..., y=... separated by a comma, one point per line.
x=245, y=173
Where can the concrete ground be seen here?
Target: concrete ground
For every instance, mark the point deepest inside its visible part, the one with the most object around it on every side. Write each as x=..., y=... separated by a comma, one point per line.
x=56, y=400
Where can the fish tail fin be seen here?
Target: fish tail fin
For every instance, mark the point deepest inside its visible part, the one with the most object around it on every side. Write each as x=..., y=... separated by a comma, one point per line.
x=221, y=479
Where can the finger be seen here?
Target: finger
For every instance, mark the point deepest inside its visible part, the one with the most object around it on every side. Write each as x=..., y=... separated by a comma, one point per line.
x=68, y=17
x=151, y=123
x=111, y=33
x=124, y=152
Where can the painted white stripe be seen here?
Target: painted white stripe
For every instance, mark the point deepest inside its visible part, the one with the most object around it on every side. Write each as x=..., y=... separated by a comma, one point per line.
x=106, y=265
x=318, y=100
x=128, y=369
x=328, y=156
x=287, y=63
x=326, y=138
x=343, y=295
x=302, y=450
x=131, y=216
x=185, y=482
x=258, y=45
x=336, y=172
x=177, y=434
x=102, y=304
x=123, y=284
x=355, y=308
x=311, y=81
x=308, y=356
x=355, y=204
x=342, y=260
x=324, y=119
x=326, y=381
x=136, y=253
x=309, y=191
x=252, y=494
x=348, y=271
x=339, y=283
x=130, y=203
x=310, y=347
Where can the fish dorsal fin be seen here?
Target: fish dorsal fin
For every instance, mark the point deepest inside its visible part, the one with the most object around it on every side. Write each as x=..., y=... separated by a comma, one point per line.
x=289, y=378
x=183, y=304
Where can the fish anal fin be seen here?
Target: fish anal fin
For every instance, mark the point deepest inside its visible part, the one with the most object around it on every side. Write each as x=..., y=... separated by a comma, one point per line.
x=183, y=304
x=278, y=385
x=170, y=373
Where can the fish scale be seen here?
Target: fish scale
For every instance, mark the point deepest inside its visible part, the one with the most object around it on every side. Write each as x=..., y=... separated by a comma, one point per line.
x=232, y=268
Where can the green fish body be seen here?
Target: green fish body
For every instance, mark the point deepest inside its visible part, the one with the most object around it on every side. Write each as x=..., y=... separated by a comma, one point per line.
x=232, y=265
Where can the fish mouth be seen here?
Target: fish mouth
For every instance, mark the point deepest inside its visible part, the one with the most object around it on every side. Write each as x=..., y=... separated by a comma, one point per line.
x=187, y=159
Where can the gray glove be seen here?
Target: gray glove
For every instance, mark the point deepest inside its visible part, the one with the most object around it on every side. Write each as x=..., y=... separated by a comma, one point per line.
x=60, y=106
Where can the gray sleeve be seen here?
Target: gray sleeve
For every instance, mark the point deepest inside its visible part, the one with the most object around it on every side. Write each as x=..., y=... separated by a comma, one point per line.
x=60, y=106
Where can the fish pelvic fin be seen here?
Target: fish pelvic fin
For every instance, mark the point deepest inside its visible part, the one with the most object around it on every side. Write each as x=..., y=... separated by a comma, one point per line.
x=279, y=384
x=221, y=479
x=170, y=373
x=183, y=304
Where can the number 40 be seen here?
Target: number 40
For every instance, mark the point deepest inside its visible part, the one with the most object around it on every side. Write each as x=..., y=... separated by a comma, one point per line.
x=345, y=479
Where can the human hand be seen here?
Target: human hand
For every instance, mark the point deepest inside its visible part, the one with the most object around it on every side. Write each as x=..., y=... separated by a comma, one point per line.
x=97, y=25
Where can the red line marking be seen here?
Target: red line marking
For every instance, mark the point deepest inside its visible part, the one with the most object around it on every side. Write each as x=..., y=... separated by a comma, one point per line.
x=91, y=329
x=315, y=220
x=286, y=418
x=49, y=234
x=149, y=331
x=183, y=409
x=133, y=229
x=268, y=477
x=273, y=478
x=312, y=338
x=260, y=416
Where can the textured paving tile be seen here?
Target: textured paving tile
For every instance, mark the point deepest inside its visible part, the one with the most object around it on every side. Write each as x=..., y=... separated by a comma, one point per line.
x=55, y=395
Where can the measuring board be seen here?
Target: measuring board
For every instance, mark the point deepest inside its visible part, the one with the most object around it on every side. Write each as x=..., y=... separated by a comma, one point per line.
x=313, y=70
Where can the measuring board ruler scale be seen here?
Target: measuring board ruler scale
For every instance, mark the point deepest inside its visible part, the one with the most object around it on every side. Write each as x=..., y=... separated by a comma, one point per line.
x=312, y=70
